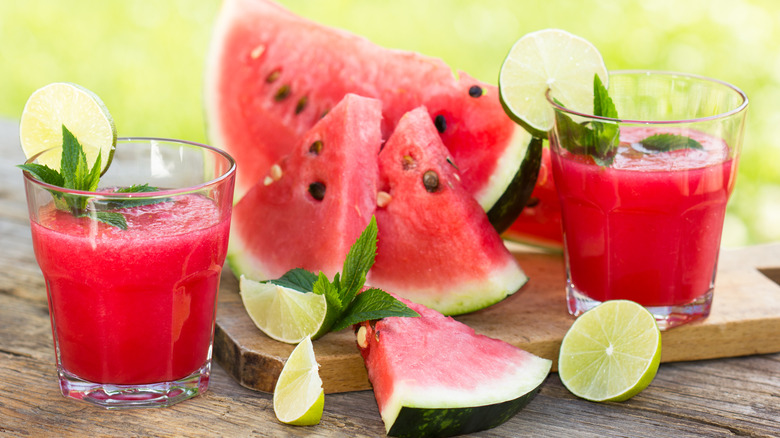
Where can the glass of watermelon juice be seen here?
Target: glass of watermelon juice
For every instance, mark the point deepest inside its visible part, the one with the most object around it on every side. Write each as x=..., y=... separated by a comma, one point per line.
x=643, y=218
x=132, y=310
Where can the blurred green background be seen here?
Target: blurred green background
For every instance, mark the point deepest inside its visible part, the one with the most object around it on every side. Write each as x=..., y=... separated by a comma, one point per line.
x=145, y=58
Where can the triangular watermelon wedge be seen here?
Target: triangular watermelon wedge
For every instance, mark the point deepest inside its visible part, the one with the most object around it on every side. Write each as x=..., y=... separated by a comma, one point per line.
x=435, y=244
x=434, y=376
x=313, y=204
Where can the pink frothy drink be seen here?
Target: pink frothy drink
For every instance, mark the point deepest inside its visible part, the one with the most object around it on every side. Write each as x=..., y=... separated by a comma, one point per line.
x=133, y=309
x=646, y=226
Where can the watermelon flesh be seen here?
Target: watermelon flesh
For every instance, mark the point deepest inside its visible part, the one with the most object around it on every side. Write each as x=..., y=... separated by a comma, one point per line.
x=271, y=75
x=539, y=224
x=434, y=376
x=435, y=244
x=315, y=203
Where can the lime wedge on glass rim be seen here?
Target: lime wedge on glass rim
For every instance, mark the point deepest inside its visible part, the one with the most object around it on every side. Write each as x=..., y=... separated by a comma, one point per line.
x=611, y=352
x=284, y=314
x=548, y=59
x=298, y=396
x=79, y=110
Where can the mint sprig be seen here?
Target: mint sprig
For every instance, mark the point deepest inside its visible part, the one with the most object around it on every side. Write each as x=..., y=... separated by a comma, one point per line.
x=75, y=174
x=600, y=140
x=346, y=305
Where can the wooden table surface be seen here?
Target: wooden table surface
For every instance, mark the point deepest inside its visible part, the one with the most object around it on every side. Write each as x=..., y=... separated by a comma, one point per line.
x=719, y=397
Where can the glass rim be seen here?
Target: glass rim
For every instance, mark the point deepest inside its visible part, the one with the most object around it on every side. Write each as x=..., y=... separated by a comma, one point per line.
x=141, y=195
x=739, y=108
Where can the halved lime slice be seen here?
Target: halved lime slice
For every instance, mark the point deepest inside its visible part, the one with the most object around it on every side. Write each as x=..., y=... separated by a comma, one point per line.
x=611, y=352
x=80, y=110
x=298, y=396
x=284, y=314
x=548, y=59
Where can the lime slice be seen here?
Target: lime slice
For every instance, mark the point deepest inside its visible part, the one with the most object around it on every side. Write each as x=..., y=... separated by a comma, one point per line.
x=611, y=352
x=284, y=314
x=548, y=59
x=298, y=396
x=80, y=110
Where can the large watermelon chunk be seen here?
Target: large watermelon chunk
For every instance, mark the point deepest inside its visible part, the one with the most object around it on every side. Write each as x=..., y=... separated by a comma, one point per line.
x=434, y=376
x=271, y=75
x=308, y=210
x=435, y=244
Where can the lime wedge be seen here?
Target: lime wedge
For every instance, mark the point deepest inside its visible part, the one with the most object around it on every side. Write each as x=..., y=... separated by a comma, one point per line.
x=298, y=396
x=548, y=59
x=80, y=110
x=284, y=314
x=611, y=352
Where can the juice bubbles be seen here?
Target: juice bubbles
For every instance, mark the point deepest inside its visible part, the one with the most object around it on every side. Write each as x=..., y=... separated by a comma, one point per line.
x=133, y=306
x=648, y=227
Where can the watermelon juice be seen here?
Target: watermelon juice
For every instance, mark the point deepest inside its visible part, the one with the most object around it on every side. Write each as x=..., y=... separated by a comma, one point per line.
x=133, y=306
x=643, y=194
x=647, y=228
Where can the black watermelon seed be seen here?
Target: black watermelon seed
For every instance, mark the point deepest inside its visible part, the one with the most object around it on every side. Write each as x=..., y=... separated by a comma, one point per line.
x=441, y=123
x=273, y=76
x=282, y=93
x=532, y=202
x=316, y=147
x=301, y=105
x=317, y=190
x=431, y=181
x=475, y=91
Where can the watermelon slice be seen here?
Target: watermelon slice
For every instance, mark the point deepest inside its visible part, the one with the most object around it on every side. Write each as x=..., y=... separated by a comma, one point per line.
x=434, y=376
x=271, y=75
x=435, y=244
x=311, y=206
x=540, y=222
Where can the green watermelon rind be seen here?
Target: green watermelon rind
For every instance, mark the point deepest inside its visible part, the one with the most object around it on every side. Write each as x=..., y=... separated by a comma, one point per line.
x=417, y=411
x=417, y=422
x=517, y=193
x=509, y=169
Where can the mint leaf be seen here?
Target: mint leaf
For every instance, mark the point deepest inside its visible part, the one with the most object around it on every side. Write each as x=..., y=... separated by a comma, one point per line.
x=137, y=188
x=606, y=135
x=69, y=163
x=335, y=307
x=43, y=173
x=92, y=179
x=297, y=279
x=111, y=218
x=128, y=203
x=669, y=142
x=359, y=260
x=370, y=305
x=602, y=103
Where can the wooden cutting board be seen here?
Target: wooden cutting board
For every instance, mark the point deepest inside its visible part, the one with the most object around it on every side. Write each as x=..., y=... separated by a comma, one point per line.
x=745, y=320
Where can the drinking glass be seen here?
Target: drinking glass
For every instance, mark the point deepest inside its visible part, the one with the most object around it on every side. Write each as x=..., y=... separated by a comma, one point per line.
x=643, y=221
x=133, y=308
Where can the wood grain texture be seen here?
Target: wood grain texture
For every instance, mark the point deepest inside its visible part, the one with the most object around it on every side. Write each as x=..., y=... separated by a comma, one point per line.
x=745, y=319
x=719, y=397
